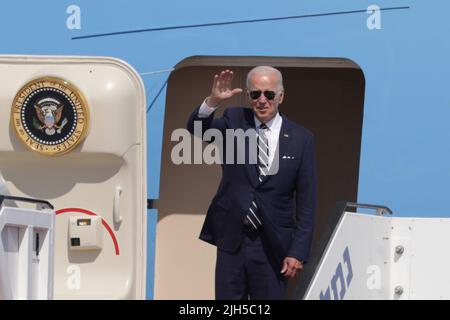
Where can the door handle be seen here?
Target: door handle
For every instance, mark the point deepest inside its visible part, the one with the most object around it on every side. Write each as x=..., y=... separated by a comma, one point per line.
x=116, y=206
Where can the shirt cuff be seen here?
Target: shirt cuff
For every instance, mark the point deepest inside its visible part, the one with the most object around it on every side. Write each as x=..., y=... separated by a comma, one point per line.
x=205, y=111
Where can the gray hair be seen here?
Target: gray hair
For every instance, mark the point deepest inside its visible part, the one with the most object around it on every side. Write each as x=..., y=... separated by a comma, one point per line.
x=266, y=70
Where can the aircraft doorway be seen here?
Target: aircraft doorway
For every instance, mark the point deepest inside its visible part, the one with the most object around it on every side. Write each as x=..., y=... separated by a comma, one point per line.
x=324, y=95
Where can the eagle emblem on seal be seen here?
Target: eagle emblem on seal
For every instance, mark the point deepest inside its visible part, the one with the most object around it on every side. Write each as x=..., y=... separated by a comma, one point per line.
x=49, y=113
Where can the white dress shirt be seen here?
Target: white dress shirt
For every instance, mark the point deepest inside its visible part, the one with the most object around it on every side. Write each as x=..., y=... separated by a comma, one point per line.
x=273, y=134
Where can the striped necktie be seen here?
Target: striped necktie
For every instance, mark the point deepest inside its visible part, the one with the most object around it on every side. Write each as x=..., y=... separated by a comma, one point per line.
x=252, y=218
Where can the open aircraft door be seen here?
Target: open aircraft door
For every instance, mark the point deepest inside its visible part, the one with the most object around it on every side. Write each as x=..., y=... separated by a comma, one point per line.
x=72, y=132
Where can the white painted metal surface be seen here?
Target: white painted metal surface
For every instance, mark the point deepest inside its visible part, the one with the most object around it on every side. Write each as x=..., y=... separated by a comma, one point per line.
x=26, y=253
x=384, y=257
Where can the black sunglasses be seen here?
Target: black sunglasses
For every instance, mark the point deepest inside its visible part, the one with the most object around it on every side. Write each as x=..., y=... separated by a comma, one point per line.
x=255, y=94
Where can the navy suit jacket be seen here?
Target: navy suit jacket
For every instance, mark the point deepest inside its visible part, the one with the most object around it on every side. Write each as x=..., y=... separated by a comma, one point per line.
x=286, y=200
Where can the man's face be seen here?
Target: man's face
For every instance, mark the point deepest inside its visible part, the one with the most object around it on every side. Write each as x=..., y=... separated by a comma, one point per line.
x=264, y=108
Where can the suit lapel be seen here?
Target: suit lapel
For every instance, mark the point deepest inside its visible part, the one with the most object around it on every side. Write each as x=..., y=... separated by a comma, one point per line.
x=285, y=139
x=248, y=122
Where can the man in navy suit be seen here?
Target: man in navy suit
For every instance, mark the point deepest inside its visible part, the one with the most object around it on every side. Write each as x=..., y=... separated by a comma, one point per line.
x=262, y=216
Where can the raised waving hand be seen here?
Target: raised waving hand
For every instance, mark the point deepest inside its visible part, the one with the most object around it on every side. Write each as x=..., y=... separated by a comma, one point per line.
x=222, y=89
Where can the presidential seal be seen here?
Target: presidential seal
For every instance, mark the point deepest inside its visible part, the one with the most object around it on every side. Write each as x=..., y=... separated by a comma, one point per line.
x=50, y=116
